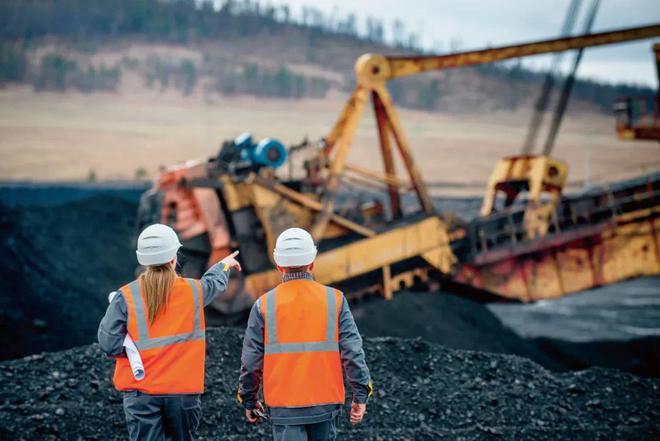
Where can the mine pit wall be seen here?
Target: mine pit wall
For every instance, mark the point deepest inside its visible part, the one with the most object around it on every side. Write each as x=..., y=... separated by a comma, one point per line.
x=569, y=262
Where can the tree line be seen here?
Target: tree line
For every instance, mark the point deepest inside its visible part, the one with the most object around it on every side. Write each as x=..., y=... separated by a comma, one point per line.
x=174, y=20
x=26, y=22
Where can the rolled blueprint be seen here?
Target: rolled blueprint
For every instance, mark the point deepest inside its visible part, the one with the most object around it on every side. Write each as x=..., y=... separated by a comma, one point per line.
x=132, y=352
x=134, y=358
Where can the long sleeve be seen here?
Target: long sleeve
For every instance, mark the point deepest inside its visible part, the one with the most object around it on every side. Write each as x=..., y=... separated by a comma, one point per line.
x=214, y=281
x=252, y=359
x=112, y=329
x=352, y=356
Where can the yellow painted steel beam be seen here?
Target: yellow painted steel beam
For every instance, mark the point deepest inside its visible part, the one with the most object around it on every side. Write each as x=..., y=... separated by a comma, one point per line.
x=354, y=104
x=428, y=236
x=388, y=160
x=385, y=178
x=345, y=129
x=312, y=204
x=398, y=67
x=404, y=149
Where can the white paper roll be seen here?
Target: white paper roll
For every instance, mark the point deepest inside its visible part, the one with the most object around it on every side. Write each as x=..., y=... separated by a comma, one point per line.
x=132, y=352
x=134, y=358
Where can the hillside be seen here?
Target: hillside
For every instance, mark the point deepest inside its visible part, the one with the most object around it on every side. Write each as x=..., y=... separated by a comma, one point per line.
x=92, y=92
x=243, y=48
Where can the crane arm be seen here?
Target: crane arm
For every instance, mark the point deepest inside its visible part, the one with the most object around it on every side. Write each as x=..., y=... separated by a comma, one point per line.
x=387, y=68
x=372, y=72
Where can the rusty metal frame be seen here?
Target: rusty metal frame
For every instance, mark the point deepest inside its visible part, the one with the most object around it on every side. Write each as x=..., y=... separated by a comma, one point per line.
x=312, y=204
x=372, y=72
x=388, y=159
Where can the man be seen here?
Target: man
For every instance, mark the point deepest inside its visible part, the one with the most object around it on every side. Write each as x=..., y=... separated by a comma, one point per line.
x=298, y=337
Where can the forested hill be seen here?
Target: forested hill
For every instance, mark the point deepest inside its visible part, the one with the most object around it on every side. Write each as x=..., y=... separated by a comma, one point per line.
x=243, y=47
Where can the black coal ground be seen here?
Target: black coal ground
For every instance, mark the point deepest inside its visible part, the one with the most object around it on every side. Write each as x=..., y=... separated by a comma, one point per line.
x=58, y=262
x=459, y=323
x=423, y=392
x=57, y=265
x=445, y=319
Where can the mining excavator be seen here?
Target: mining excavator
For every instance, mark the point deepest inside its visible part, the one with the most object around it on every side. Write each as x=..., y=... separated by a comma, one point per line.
x=528, y=243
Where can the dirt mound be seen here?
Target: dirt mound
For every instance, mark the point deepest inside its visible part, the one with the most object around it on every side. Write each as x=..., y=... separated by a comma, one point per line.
x=423, y=392
x=459, y=323
x=443, y=318
x=640, y=356
x=58, y=264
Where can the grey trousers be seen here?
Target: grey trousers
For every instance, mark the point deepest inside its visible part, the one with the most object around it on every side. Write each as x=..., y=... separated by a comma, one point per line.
x=324, y=431
x=161, y=417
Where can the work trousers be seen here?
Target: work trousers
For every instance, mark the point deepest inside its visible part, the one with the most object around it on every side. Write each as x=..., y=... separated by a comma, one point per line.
x=323, y=431
x=161, y=417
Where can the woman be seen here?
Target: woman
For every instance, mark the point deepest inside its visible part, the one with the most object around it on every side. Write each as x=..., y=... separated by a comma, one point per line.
x=164, y=316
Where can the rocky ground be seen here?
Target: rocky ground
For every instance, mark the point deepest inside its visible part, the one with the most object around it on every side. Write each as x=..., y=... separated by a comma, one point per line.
x=423, y=392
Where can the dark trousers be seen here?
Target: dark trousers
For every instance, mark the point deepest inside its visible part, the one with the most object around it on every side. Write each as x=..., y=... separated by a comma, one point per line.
x=324, y=431
x=161, y=417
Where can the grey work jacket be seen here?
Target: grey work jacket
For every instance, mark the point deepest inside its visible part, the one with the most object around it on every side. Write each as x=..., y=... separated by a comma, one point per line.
x=112, y=329
x=352, y=358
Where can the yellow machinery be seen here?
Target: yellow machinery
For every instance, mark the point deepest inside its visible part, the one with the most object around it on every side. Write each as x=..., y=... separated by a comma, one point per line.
x=636, y=119
x=365, y=244
x=372, y=71
x=542, y=177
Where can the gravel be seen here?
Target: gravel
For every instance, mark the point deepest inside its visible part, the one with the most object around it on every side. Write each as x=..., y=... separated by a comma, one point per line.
x=423, y=392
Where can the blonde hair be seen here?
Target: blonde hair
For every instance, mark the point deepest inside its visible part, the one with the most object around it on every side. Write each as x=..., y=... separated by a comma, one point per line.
x=157, y=282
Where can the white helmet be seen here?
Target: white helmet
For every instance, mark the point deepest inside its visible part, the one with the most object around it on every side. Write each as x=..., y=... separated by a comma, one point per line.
x=294, y=247
x=157, y=245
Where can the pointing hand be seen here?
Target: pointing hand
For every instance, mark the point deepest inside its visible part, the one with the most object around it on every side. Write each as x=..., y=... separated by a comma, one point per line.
x=231, y=262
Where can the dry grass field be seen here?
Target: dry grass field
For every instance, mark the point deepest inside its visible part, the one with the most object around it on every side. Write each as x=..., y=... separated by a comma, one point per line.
x=55, y=137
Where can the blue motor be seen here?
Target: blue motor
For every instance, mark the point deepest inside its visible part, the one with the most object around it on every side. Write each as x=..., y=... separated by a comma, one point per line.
x=266, y=153
x=269, y=152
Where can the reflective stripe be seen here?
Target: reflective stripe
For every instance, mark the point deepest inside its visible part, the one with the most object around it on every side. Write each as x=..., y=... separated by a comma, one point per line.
x=316, y=346
x=329, y=345
x=270, y=317
x=144, y=342
x=198, y=322
x=140, y=314
x=332, y=314
x=159, y=342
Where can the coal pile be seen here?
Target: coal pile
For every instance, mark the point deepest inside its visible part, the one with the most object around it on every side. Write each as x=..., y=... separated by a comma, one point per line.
x=459, y=323
x=58, y=264
x=423, y=392
x=641, y=356
x=443, y=318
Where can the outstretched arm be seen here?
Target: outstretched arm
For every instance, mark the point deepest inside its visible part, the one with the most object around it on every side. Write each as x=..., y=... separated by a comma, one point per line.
x=215, y=279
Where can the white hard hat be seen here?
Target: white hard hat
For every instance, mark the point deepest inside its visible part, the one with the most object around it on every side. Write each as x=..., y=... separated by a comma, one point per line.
x=157, y=245
x=294, y=247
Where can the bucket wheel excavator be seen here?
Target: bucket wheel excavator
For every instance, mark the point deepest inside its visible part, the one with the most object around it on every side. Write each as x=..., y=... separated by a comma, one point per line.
x=369, y=241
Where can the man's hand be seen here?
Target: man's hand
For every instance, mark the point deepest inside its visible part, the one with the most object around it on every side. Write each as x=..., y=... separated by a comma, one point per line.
x=357, y=412
x=231, y=262
x=251, y=416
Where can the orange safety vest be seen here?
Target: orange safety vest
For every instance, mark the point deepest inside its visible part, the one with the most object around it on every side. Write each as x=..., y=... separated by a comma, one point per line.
x=302, y=366
x=172, y=348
